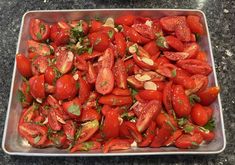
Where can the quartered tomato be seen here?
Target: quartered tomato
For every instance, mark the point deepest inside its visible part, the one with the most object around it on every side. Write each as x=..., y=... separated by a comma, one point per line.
x=121, y=44
x=69, y=129
x=60, y=32
x=116, y=144
x=39, y=48
x=152, y=48
x=86, y=146
x=39, y=30
x=120, y=74
x=189, y=141
x=194, y=24
x=39, y=65
x=89, y=114
x=175, y=43
x=113, y=100
x=73, y=108
x=208, y=95
x=24, y=95
x=23, y=65
x=99, y=41
x=127, y=20
x=37, y=89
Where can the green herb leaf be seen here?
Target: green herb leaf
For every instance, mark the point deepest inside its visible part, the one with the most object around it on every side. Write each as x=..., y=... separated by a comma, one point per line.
x=195, y=144
x=77, y=85
x=39, y=36
x=110, y=33
x=182, y=121
x=173, y=73
x=20, y=96
x=119, y=28
x=161, y=42
x=188, y=128
x=198, y=37
x=74, y=109
x=210, y=125
x=126, y=116
x=193, y=99
x=133, y=92
x=36, y=139
x=90, y=50
x=78, y=133
x=98, y=40
x=87, y=145
x=170, y=124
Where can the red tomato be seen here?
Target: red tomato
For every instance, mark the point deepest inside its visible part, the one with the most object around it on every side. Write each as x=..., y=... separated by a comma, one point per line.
x=121, y=92
x=209, y=112
x=87, y=131
x=60, y=33
x=120, y=74
x=150, y=111
x=121, y=44
x=199, y=115
x=195, y=66
x=152, y=48
x=87, y=56
x=175, y=43
x=105, y=81
x=183, y=32
x=86, y=146
x=167, y=97
x=52, y=120
x=141, y=62
x=107, y=31
x=113, y=100
x=80, y=23
x=166, y=70
x=144, y=30
x=66, y=87
x=207, y=135
x=194, y=24
x=169, y=23
x=28, y=114
x=201, y=55
x=23, y=65
x=107, y=60
x=131, y=127
x=132, y=81
x=99, y=41
x=189, y=141
x=89, y=114
x=200, y=82
x=39, y=30
x=64, y=60
x=80, y=63
x=24, y=95
x=69, y=129
x=36, y=84
x=173, y=137
x=116, y=144
x=111, y=124
x=91, y=74
x=73, y=108
x=180, y=101
x=150, y=133
x=162, y=135
x=150, y=95
x=192, y=49
x=84, y=90
x=59, y=140
x=175, y=56
x=209, y=95
x=39, y=48
x=39, y=65
x=127, y=20
x=161, y=60
x=50, y=75
x=95, y=25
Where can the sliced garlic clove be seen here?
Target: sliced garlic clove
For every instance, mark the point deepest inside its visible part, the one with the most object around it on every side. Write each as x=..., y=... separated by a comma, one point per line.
x=59, y=119
x=133, y=48
x=109, y=22
x=149, y=85
x=144, y=77
x=147, y=61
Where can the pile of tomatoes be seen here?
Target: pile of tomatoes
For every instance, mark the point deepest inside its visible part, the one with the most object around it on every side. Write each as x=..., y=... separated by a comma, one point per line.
x=116, y=83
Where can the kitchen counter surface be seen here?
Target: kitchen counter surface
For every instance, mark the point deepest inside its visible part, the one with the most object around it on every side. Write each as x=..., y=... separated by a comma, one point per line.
x=220, y=16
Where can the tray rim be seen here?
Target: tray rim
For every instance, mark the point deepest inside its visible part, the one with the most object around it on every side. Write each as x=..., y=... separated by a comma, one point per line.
x=185, y=152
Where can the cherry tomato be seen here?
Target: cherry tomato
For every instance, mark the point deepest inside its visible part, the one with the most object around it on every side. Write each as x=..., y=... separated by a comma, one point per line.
x=28, y=114
x=152, y=48
x=175, y=43
x=60, y=32
x=39, y=48
x=39, y=65
x=52, y=120
x=86, y=146
x=173, y=137
x=192, y=49
x=189, y=141
x=95, y=25
x=150, y=133
x=183, y=32
x=39, y=30
x=116, y=144
x=194, y=24
x=107, y=60
x=169, y=23
x=84, y=90
x=113, y=100
x=121, y=92
x=80, y=63
x=73, y=108
x=50, y=75
x=89, y=114
x=99, y=41
x=176, y=56
x=23, y=65
x=120, y=74
x=69, y=129
x=162, y=135
x=121, y=44
x=24, y=95
x=150, y=95
x=65, y=87
x=167, y=97
x=201, y=55
x=36, y=84
x=145, y=30
x=127, y=20
x=209, y=95
x=91, y=73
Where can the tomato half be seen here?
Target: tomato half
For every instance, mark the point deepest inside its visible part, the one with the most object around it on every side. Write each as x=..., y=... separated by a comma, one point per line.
x=120, y=74
x=23, y=65
x=37, y=89
x=39, y=30
x=113, y=100
x=209, y=95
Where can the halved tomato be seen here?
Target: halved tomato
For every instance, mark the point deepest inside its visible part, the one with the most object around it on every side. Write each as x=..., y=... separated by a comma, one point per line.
x=23, y=65
x=37, y=89
x=39, y=30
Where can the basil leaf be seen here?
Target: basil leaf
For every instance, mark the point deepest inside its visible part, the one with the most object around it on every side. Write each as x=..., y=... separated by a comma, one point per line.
x=74, y=109
x=36, y=139
x=110, y=33
x=161, y=42
x=20, y=96
x=210, y=125
x=194, y=98
x=173, y=73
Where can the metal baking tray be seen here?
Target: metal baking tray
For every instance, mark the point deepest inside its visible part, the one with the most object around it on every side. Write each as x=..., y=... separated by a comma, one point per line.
x=12, y=144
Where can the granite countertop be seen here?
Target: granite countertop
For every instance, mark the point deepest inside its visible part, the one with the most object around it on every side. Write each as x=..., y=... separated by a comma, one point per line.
x=220, y=16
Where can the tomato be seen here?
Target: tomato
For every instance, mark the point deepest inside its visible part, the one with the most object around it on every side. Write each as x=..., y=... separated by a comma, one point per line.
x=84, y=90
x=161, y=60
x=86, y=146
x=39, y=48
x=167, y=97
x=127, y=20
x=88, y=56
x=81, y=25
x=144, y=62
x=201, y=55
x=39, y=30
x=91, y=74
x=121, y=92
x=152, y=48
x=121, y=44
x=194, y=66
x=200, y=82
x=60, y=33
x=120, y=74
x=50, y=75
x=105, y=81
x=65, y=87
x=107, y=60
x=105, y=109
x=166, y=70
x=131, y=128
x=175, y=43
x=107, y=31
x=69, y=129
x=52, y=120
x=80, y=63
x=64, y=60
x=189, y=141
x=111, y=124
x=59, y=140
x=162, y=135
x=192, y=49
x=183, y=32
x=169, y=23
x=87, y=130
x=36, y=84
x=176, y=56
x=132, y=81
x=209, y=112
x=89, y=114
x=150, y=132
x=173, y=137
x=207, y=135
x=95, y=25
x=194, y=24
x=113, y=100
x=116, y=144
x=73, y=108
x=28, y=114
x=24, y=95
x=150, y=111
x=180, y=101
x=150, y=95
x=23, y=65
x=209, y=95
x=99, y=41
x=39, y=65
x=166, y=120
x=145, y=30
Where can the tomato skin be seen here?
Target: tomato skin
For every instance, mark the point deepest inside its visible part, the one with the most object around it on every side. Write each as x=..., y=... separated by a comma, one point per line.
x=207, y=136
x=95, y=25
x=113, y=100
x=116, y=144
x=199, y=115
x=185, y=140
x=91, y=74
x=152, y=48
x=38, y=48
x=173, y=137
x=39, y=30
x=175, y=43
x=192, y=49
x=50, y=75
x=168, y=120
x=99, y=41
x=127, y=20
x=60, y=33
x=145, y=30
x=169, y=23
x=39, y=65
x=183, y=32
x=80, y=63
x=121, y=92
x=120, y=74
x=200, y=82
x=28, y=114
x=180, y=101
x=167, y=97
x=162, y=135
x=195, y=66
x=84, y=90
x=166, y=70
x=132, y=81
x=36, y=84
x=139, y=61
x=150, y=132
x=175, y=56
x=89, y=114
x=25, y=97
x=209, y=112
x=161, y=60
x=73, y=108
x=194, y=24
x=149, y=112
x=65, y=87
x=86, y=146
x=107, y=60
x=23, y=65
x=209, y=95
x=69, y=129
x=150, y=95
x=183, y=79
x=131, y=127
x=52, y=120
x=105, y=81
x=121, y=44
x=111, y=124
x=201, y=55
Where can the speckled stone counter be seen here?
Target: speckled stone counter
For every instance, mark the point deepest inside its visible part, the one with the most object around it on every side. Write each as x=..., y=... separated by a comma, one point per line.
x=220, y=15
